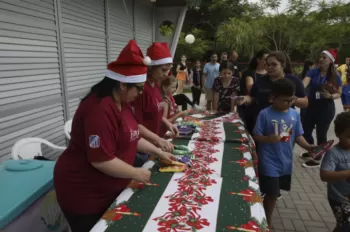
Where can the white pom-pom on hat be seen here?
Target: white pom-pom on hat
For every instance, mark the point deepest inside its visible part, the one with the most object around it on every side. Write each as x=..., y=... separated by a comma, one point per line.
x=147, y=60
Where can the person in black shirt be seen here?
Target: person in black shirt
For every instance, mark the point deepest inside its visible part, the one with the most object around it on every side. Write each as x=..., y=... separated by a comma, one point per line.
x=256, y=70
x=233, y=59
x=278, y=66
x=197, y=83
x=223, y=57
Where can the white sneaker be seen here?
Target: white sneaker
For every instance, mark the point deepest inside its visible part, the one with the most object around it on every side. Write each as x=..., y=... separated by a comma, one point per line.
x=198, y=108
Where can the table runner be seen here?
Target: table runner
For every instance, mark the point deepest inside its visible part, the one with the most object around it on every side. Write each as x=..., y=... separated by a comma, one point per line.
x=220, y=192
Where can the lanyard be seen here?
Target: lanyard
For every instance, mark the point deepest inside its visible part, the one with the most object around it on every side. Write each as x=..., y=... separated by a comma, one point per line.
x=321, y=80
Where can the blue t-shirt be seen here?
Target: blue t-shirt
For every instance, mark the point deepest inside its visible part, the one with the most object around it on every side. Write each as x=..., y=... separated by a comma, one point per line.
x=262, y=88
x=212, y=71
x=316, y=82
x=276, y=159
x=337, y=159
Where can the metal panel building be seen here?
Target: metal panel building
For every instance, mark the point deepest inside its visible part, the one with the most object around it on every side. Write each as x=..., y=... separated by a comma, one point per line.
x=53, y=51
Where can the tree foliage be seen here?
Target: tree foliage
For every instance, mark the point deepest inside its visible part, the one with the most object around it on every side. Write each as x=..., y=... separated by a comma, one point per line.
x=303, y=28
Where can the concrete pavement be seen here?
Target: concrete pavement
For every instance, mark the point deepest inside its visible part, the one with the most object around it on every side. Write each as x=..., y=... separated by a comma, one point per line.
x=305, y=208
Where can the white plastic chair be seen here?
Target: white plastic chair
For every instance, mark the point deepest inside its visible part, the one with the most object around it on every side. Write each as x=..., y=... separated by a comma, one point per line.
x=68, y=128
x=28, y=148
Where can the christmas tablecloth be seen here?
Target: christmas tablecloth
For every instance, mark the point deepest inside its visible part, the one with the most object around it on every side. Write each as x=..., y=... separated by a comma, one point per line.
x=219, y=193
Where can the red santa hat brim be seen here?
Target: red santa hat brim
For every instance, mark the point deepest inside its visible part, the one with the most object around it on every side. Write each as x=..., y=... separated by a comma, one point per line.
x=329, y=55
x=126, y=79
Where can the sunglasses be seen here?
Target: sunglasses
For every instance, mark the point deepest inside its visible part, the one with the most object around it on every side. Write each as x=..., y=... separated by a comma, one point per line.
x=139, y=87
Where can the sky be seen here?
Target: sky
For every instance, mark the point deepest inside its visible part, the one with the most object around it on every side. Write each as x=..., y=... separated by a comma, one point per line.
x=284, y=3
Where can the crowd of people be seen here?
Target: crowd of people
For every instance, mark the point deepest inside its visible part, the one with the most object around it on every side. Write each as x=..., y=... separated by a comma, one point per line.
x=265, y=96
x=122, y=122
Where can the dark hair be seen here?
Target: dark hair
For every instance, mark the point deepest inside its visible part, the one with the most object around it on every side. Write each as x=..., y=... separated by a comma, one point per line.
x=284, y=59
x=341, y=123
x=254, y=61
x=306, y=68
x=183, y=55
x=332, y=75
x=223, y=53
x=283, y=87
x=105, y=88
x=226, y=65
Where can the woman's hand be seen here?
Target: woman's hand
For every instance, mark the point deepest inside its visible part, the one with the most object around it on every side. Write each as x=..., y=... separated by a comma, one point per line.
x=325, y=94
x=244, y=100
x=310, y=147
x=172, y=128
x=142, y=174
x=176, y=131
x=168, y=157
x=184, y=113
x=165, y=145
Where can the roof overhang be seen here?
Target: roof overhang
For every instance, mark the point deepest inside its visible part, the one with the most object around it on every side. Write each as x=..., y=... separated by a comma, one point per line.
x=169, y=3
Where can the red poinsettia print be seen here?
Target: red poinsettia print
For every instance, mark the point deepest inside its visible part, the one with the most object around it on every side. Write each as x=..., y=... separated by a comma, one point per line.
x=186, y=203
x=115, y=214
x=251, y=226
x=203, y=200
x=170, y=226
x=197, y=222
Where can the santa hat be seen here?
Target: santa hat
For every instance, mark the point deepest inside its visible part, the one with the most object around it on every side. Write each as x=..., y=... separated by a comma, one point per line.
x=159, y=54
x=332, y=54
x=130, y=66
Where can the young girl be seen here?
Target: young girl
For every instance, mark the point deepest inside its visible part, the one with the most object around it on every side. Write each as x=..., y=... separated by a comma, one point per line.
x=170, y=110
x=335, y=170
x=225, y=87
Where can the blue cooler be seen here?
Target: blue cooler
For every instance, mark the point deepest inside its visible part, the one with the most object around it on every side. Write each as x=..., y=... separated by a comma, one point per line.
x=27, y=199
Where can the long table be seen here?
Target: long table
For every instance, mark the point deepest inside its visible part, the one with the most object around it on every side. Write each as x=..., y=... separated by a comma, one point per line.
x=219, y=193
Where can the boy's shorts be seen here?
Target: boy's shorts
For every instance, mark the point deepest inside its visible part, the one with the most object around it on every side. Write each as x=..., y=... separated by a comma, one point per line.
x=341, y=213
x=271, y=186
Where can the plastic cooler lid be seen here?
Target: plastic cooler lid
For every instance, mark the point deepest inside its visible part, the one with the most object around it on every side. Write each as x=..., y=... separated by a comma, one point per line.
x=22, y=182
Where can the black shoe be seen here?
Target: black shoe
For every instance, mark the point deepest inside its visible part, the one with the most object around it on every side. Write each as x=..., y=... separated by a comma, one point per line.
x=305, y=155
x=312, y=164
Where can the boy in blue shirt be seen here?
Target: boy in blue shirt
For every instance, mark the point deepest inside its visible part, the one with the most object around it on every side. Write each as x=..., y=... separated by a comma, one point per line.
x=335, y=170
x=277, y=129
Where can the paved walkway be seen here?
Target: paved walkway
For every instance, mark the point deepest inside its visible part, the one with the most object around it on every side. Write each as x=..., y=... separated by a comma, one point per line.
x=305, y=207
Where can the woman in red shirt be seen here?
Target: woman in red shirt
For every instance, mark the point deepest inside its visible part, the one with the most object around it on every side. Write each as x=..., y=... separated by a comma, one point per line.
x=97, y=165
x=149, y=105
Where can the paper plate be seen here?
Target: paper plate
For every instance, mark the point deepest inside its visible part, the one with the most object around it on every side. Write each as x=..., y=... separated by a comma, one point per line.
x=320, y=150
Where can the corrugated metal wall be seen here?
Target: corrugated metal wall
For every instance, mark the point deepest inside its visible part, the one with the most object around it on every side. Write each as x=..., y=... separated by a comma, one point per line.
x=32, y=75
x=30, y=86
x=143, y=24
x=83, y=24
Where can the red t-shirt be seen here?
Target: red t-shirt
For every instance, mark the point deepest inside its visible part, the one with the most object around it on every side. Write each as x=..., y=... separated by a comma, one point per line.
x=100, y=132
x=149, y=108
x=172, y=111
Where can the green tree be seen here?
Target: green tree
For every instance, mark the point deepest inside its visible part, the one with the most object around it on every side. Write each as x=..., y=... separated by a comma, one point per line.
x=241, y=35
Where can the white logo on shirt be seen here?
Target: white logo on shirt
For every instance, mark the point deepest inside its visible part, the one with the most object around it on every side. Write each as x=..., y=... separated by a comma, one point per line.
x=94, y=141
x=134, y=134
